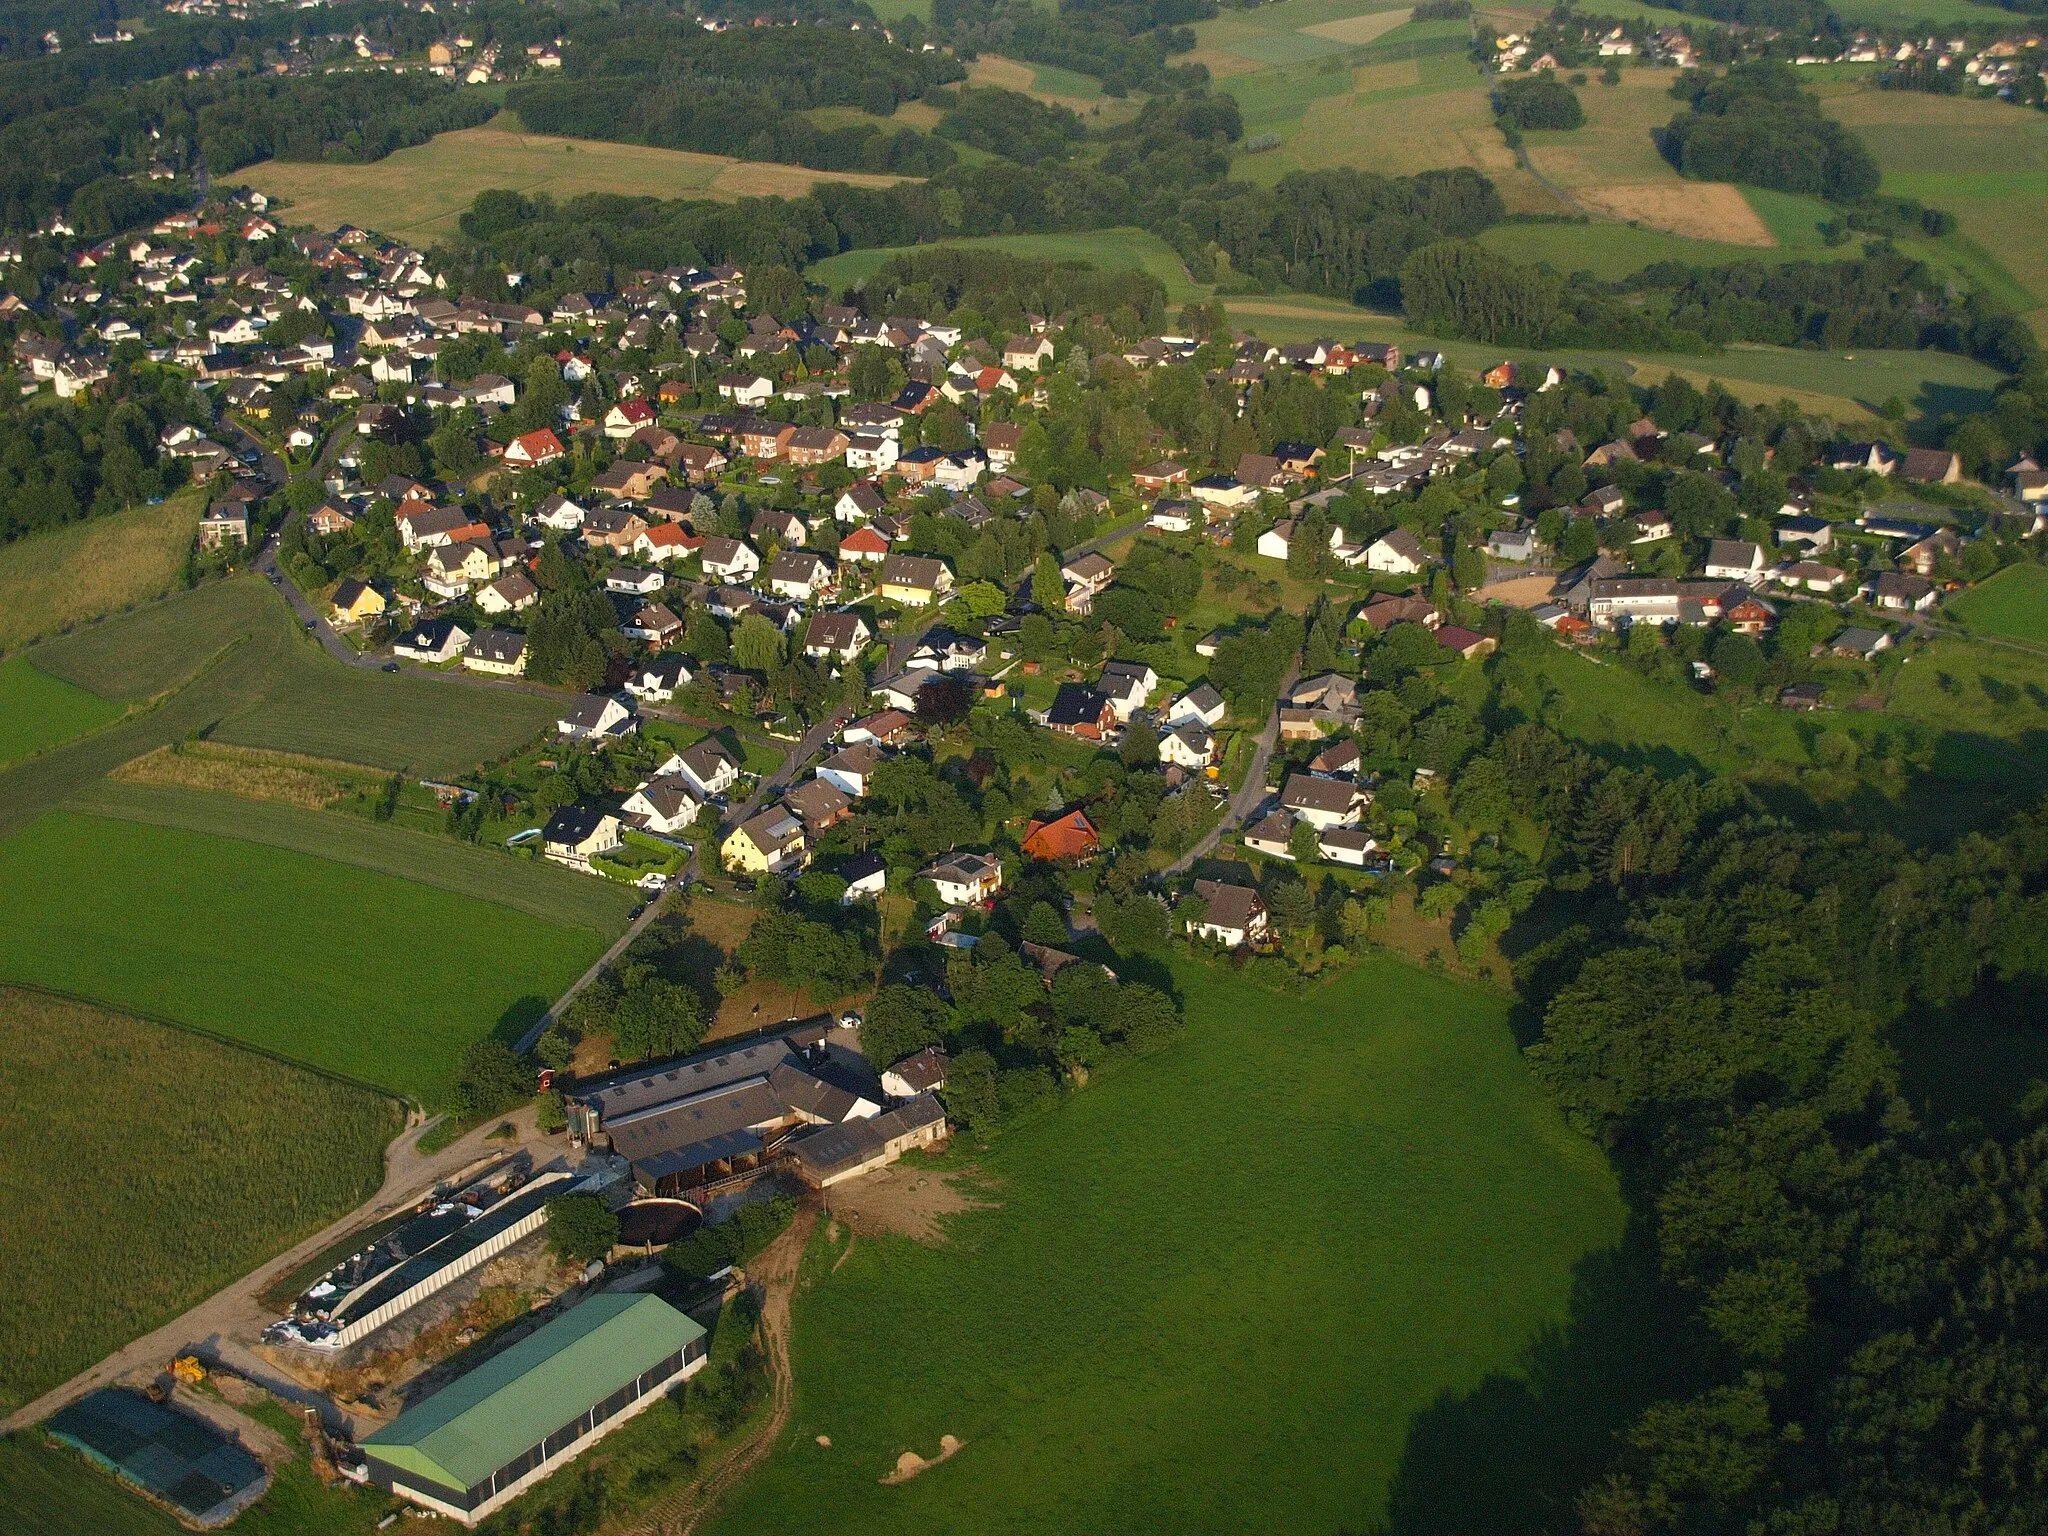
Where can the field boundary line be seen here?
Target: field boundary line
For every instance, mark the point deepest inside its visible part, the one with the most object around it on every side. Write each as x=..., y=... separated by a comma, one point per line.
x=405, y=1104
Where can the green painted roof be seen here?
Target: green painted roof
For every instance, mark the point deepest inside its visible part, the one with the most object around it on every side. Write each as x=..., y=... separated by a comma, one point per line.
x=499, y=1411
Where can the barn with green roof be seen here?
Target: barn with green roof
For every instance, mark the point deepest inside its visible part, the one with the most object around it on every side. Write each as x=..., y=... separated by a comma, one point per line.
x=492, y=1433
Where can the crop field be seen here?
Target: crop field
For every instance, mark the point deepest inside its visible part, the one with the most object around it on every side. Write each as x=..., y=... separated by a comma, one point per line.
x=2012, y=605
x=51, y=581
x=1054, y=86
x=39, y=711
x=146, y=1168
x=1984, y=161
x=417, y=194
x=347, y=968
x=1396, y=1302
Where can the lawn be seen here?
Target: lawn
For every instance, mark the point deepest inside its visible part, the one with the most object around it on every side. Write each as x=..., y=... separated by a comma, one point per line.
x=2012, y=605
x=146, y=1168
x=38, y=710
x=418, y=194
x=1328, y=1261
x=346, y=968
x=51, y=581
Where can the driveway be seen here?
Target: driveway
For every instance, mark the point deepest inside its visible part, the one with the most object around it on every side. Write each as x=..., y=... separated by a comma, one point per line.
x=1249, y=798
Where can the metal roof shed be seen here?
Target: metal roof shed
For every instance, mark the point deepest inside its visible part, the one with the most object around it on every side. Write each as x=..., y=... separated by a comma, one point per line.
x=490, y=1434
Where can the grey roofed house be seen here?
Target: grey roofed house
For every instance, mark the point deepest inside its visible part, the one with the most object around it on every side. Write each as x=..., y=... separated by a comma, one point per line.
x=923, y=1072
x=431, y=640
x=1859, y=642
x=573, y=825
x=1230, y=906
x=498, y=647
x=818, y=803
x=839, y=634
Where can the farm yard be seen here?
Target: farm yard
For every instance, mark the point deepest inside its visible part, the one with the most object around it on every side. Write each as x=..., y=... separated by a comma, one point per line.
x=52, y=581
x=1413, y=1260
x=147, y=1167
x=350, y=969
x=417, y=194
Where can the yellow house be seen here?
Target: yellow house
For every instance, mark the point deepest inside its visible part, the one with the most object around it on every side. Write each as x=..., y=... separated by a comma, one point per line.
x=915, y=581
x=768, y=842
x=355, y=601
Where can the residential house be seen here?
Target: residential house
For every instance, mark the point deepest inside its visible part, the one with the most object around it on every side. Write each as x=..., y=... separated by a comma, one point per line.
x=1383, y=612
x=354, y=601
x=1188, y=745
x=1816, y=533
x=1201, y=702
x=1467, y=643
x=819, y=804
x=766, y=843
x=1086, y=576
x=597, y=717
x=1234, y=914
x=432, y=641
x=1396, y=553
x=659, y=678
x=1900, y=592
x=1071, y=837
x=730, y=560
x=1082, y=712
x=498, y=652
x=226, y=522
x=838, y=637
x=1734, y=560
x=1323, y=802
x=866, y=877
x=867, y=546
x=964, y=879
x=508, y=594
x=1923, y=556
x=749, y=391
x=1126, y=685
x=576, y=834
x=1931, y=466
x=801, y=575
x=809, y=446
x=915, y=581
x=710, y=769
x=852, y=769
x=1340, y=759
x=626, y=417
x=530, y=450
x=1516, y=545
x=1346, y=845
x=1859, y=644
x=923, y=1073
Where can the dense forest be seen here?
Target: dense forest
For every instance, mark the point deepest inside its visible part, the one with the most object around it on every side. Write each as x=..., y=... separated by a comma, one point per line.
x=1127, y=44
x=1755, y=125
x=63, y=461
x=1863, y=1295
x=665, y=81
x=1540, y=101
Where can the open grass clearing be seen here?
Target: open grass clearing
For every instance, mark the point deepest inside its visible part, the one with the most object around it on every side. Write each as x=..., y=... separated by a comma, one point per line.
x=1342, y=1230
x=38, y=711
x=2012, y=605
x=1613, y=251
x=311, y=783
x=51, y=581
x=1905, y=14
x=146, y=1168
x=346, y=968
x=417, y=194
x=1109, y=249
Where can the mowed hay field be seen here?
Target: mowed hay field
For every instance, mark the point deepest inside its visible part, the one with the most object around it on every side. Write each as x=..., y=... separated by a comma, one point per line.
x=1109, y=249
x=2013, y=605
x=39, y=711
x=51, y=581
x=418, y=193
x=1984, y=161
x=147, y=1167
x=1330, y=1258
x=349, y=969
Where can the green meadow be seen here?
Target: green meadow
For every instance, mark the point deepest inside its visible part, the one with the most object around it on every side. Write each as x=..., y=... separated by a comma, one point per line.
x=1331, y=1257
x=2013, y=605
x=1112, y=250
x=380, y=979
x=39, y=711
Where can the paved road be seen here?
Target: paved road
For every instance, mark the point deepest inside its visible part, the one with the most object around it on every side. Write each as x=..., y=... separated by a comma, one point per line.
x=1253, y=794
x=232, y=1318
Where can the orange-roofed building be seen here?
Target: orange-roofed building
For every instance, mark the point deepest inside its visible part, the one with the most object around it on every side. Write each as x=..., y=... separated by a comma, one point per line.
x=1071, y=836
x=541, y=447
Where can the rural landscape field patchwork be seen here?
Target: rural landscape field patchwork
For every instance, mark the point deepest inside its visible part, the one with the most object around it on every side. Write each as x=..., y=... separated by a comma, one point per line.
x=989, y=766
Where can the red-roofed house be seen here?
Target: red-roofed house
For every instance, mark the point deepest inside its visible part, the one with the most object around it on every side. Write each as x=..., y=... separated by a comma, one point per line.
x=534, y=448
x=1071, y=836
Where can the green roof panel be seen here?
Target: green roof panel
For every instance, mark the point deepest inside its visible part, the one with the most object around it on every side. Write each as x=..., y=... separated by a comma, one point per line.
x=514, y=1400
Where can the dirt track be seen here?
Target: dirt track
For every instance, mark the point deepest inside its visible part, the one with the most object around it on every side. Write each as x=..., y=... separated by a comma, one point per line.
x=775, y=1272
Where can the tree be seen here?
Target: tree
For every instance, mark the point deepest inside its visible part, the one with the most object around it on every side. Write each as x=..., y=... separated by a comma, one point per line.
x=492, y=1078
x=757, y=645
x=655, y=1017
x=1303, y=843
x=1140, y=747
x=1468, y=567
x=581, y=1228
x=982, y=599
x=1048, y=586
x=1738, y=660
x=1441, y=900
x=1044, y=925
x=1581, y=541
x=970, y=1091
x=944, y=700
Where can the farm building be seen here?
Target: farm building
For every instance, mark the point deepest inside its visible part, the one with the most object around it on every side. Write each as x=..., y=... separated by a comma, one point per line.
x=687, y=1123
x=181, y=1461
x=832, y=1154
x=494, y=1432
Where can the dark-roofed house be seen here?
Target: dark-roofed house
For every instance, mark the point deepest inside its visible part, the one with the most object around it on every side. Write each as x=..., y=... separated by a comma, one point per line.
x=596, y=717
x=923, y=1073
x=499, y=652
x=1323, y=802
x=838, y=636
x=682, y=1123
x=819, y=804
x=1079, y=711
x=1235, y=914
x=493, y=1432
x=431, y=640
x=576, y=834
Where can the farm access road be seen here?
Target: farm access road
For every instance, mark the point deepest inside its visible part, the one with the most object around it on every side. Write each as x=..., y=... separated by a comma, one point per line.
x=227, y=1322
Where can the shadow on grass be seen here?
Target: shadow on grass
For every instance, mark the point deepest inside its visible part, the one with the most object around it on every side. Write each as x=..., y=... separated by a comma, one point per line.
x=1513, y=1454
x=519, y=1017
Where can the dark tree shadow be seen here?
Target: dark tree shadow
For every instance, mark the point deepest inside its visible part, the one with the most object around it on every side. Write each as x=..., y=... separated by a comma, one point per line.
x=518, y=1018
x=1512, y=1455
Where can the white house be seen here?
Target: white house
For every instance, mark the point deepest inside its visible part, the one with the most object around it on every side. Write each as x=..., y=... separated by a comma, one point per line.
x=852, y=770
x=1201, y=702
x=1127, y=685
x=1734, y=560
x=1189, y=745
x=709, y=769
x=730, y=560
x=664, y=805
x=595, y=716
x=1397, y=553
x=964, y=879
x=1322, y=803
x=1235, y=915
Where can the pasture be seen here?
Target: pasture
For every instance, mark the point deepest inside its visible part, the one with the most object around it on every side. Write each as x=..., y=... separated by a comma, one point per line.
x=1052, y=85
x=1393, y=1300
x=344, y=967
x=417, y=194
x=52, y=581
x=2013, y=605
x=38, y=711
x=1111, y=250
x=1984, y=161
x=146, y=1168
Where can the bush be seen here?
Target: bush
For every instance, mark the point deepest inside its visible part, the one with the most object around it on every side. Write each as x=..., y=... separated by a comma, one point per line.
x=735, y=1240
x=492, y=1077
